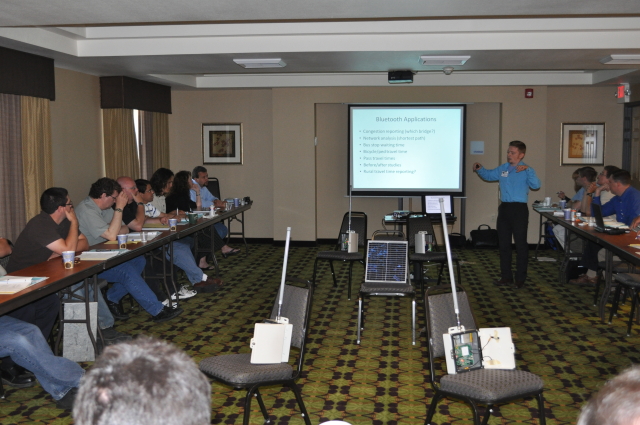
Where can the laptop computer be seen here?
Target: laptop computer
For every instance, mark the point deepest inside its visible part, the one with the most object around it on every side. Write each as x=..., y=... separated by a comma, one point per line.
x=600, y=227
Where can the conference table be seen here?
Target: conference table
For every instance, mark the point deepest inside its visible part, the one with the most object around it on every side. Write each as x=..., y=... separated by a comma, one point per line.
x=613, y=244
x=59, y=278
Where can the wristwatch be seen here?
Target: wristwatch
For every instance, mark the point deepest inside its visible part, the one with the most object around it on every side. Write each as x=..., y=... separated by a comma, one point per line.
x=590, y=194
x=118, y=209
x=141, y=203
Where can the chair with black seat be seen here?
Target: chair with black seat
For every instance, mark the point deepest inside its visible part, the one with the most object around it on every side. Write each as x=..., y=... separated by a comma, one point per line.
x=487, y=387
x=386, y=275
x=213, y=185
x=631, y=283
x=359, y=225
x=420, y=222
x=237, y=371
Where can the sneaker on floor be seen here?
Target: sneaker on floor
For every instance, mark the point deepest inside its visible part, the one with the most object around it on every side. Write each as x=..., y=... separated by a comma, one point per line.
x=167, y=313
x=166, y=303
x=66, y=402
x=184, y=293
x=112, y=336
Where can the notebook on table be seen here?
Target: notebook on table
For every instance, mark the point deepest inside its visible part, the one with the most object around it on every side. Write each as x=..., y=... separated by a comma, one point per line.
x=600, y=227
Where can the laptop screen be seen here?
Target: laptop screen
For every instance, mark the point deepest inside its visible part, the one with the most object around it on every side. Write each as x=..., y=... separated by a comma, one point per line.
x=597, y=212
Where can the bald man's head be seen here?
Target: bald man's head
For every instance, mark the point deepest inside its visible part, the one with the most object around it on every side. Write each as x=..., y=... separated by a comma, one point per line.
x=129, y=187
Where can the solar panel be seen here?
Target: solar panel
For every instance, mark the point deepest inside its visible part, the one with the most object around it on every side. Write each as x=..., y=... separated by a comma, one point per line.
x=386, y=261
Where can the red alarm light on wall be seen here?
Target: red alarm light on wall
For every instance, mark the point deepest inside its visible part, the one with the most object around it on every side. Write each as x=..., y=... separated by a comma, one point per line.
x=528, y=93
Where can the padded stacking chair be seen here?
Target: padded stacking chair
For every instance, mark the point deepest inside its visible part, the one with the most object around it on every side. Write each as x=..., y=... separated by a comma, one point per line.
x=237, y=371
x=477, y=387
x=420, y=222
x=359, y=225
x=386, y=275
x=630, y=282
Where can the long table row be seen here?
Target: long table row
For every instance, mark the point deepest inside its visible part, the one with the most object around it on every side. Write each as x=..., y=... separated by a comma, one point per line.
x=59, y=278
x=613, y=244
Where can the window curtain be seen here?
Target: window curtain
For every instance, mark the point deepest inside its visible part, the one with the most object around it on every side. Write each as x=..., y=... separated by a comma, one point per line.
x=145, y=120
x=120, y=151
x=160, y=140
x=13, y=216
x=36, y=152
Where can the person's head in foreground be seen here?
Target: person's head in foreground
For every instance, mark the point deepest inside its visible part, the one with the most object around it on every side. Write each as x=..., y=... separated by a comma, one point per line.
x=140, y=382
x=617, y=403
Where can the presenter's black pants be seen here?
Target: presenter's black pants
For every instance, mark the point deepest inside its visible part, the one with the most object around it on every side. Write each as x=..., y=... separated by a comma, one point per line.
x=513, y=221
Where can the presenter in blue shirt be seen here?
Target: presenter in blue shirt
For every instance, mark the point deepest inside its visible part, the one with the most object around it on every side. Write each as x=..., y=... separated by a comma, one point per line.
x=515, y=179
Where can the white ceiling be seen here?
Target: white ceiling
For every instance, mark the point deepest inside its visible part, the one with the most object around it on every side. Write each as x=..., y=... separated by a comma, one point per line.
x=191, y=45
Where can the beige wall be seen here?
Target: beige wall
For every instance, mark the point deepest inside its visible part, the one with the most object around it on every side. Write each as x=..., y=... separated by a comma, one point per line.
x=76, y=132
x=254, y=177
x=576, y=105
x=283, y=167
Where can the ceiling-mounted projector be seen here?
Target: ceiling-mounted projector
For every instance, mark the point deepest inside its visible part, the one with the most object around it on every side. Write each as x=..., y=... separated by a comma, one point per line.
x=400, y=77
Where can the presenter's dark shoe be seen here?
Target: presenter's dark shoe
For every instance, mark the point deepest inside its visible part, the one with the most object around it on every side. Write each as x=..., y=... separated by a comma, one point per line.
x=519, y=284
x=503, y=282
x=17, y=377
x=66, y=402
x=116, y=310
x=167, y=313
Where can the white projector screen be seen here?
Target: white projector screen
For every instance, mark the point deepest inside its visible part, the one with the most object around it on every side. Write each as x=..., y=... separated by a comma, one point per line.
x=406, y=150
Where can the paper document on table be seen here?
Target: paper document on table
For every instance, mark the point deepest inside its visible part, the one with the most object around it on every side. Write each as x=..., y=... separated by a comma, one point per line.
x=100, y=254
x=155, y=226
x=616, y=224
x=135, y=237
x=13, y=284
x=635, y=245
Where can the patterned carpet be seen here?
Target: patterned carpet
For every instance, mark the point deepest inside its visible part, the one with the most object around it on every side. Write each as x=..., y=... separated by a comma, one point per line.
x=383, y=381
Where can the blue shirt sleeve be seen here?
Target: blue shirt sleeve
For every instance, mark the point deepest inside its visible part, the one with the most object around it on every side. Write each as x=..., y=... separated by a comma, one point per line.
x=490, y=175
x=532, y=178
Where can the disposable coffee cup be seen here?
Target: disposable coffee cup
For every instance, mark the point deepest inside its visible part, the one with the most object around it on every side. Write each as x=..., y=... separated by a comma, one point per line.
x=122, y=241
x=236, y=202
x=193, y=218
x=68, y=258
x=563, y=204
x=567, y=213
x=173, y=224
x=547, y=201
x=143, y=236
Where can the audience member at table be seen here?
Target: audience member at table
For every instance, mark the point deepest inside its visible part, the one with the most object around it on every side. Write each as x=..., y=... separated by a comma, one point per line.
x=27, y=347
x=180, y=198
x=143, y=382
x=134, y=217
x=625, y=204
x=617, y=402
x=5, y=249
x=200, y=177
x=576, y=187
x=45, y=237
x=586, y=177
x=99, y=222
x=603, y=181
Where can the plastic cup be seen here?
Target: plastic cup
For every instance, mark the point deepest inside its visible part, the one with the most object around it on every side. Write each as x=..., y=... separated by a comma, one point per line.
x=143, y=236
x=68, y=258
x=173, y=224
x=547, y=201
x=122, y=241
x=563, y=204
x=236, y=202
x=567, y=213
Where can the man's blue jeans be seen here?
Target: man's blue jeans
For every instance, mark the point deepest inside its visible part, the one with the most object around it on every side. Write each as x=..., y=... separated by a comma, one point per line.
x=183, y=258
x=221, y=229
x=105, y=318
x=127, y=279
x=27, y=347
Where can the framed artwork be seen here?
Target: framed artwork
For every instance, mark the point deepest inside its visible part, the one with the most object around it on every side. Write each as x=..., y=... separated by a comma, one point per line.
x=222, y=143
x=582, y=144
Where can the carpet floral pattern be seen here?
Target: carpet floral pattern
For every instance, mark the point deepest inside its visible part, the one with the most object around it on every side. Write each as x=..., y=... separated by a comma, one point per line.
x=384, y=380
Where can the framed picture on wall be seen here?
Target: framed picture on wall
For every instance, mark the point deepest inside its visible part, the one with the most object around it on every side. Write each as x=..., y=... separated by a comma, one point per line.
x=582, y=144
x=222, y=143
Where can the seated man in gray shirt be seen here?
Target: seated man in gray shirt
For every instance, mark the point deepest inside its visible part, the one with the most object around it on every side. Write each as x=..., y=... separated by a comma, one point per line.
x=100, y=223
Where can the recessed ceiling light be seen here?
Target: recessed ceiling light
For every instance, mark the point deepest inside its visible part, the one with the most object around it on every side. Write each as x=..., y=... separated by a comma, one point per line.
x=443, y=60
x=621, y=60
x=261, y=63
